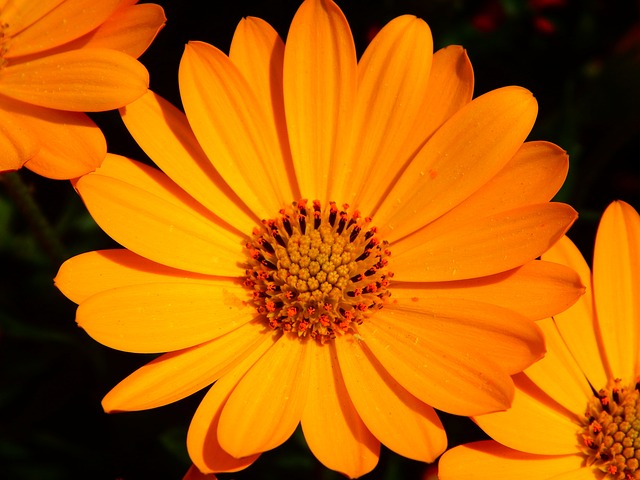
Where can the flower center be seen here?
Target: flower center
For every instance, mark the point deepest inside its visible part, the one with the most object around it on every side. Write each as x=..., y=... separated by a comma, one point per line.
x=611, y=432
x=317, y=273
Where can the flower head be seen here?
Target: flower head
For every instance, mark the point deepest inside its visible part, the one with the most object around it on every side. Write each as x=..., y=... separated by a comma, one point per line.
x=576, y=413
x=59, y=58
x=338, y=244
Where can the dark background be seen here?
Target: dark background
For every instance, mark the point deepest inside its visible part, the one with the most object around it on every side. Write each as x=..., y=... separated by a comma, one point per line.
x=581, y=59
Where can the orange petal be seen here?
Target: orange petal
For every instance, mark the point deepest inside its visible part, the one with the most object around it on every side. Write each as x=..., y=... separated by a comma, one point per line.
x=237, y=135
x=87, y=80
x=534, y=175
x=576, y=325
x=434, y=371
x=331, y=425
x=265, y=407
x=535, y=290
x=616, y=283
x=164, y=317
x=23, y=14
x=450, y=88
x=392, y=82
x=194, y=474
x=258, y=52
x=129, y=30
x=17, y=143
x=558, y=374
x=202, y=439
x=399, y=420
x=37, y=29
x=143, y=210
x=319, y=92
x=85, y=275
x=535, y=423
x=489, y=460
x=468, y=326
x=176, y=375
x=164, y=134
x=464, y=154
x=482, y=246
x=71, y=145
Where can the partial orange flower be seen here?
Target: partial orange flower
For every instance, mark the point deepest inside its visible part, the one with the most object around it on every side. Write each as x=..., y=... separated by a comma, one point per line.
x=575, y=413
x=194, y=474
x=59, y=58
x=338, y=244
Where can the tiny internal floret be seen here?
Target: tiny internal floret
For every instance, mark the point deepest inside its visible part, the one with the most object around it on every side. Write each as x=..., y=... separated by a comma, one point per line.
x=317, y=272
x=610, y=438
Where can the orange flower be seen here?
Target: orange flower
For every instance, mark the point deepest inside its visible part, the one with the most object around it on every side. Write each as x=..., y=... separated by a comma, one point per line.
x=194, y=474
x=575, y=413
x=353, y=320
x=59, y=58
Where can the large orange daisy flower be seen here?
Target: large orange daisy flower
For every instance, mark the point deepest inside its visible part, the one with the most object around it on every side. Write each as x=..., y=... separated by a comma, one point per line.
x=575, y=413
x=338, y=244
x=59, y=58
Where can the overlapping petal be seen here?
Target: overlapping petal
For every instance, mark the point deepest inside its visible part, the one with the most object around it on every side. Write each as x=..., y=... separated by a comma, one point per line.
x=164, y=317
x=394, y=416
x=143, y=210
x=526, y=426
x=431, y=368
x=576, y=324
x=450, y=88
x=616, y=283
x=258, y=52
x=266, y=406
x=53, y=23
x=331, y=425
x=70, y=144
x=558, y=374
x=24, y=14
x=230, y=124
x=118, y=268
x=489, y=460
x=17, y=142
x=516, y=342
x=78, y=80
x=163, y=132
x=536, y=290
x=393, y=75
x=158, y=383
x=463, y=154
x=202, y=438
x=130, y=30
x=482, y=246
x=533, y=175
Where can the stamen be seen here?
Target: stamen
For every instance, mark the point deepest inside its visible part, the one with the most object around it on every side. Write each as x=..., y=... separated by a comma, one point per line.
x=313, y=273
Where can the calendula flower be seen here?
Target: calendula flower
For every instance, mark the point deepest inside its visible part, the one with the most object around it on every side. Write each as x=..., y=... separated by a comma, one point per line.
x=575, y=414
x=59, y=58
x=338, y=244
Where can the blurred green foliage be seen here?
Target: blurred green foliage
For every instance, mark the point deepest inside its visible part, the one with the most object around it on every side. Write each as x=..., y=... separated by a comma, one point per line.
x=580, y=58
